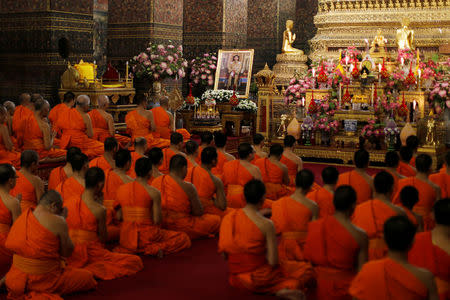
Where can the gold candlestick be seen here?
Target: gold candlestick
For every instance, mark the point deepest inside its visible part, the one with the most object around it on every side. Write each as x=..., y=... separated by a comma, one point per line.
x=126, y=73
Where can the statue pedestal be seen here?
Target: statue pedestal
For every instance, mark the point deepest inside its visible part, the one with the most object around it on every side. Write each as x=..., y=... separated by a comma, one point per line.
x=287, y=65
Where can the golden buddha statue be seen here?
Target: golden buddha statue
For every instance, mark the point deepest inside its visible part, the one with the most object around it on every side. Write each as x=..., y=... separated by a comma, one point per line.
x=378, y=43
x=289, y=39
x=405, y=36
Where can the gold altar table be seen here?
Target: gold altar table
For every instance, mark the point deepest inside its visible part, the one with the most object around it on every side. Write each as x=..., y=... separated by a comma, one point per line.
x=114, y=94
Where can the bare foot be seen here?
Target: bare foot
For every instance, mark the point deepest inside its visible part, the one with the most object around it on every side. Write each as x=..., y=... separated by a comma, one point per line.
x=291, y=294
x=160, y=254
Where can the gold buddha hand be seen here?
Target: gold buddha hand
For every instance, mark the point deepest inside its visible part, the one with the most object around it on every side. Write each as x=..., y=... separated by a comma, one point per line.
x=289, y=39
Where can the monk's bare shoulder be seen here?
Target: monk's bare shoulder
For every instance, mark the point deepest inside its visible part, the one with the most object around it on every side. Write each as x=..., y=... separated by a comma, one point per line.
x=98, y=210
x=425, y=276
x=359, y=234
x=37, y=182
x=229, y=157
x=152, y=191
x=312, y=205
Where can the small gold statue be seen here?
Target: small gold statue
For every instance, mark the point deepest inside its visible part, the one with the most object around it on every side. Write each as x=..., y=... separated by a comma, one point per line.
x=430, y=139
x=378, y=43
x=281, y=132
x=289, y=39
x=405, y=36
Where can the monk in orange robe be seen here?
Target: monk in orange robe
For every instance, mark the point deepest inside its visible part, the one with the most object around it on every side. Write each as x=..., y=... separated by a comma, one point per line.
x=140, y=123
x=431, y=249
x=248, y=241
x=103, y=123
x=60, y=109
x=442, y=179
x=7, y=153
x=404, y=168
x=21, y=114
x=258, y=146
x=86, y=220
x=191, y=149
x=209, y=187
x=164, y=121
x=336, y=248
x=176, y=145
x=428, y=191
x=141, y=209
x=61, y=173
x=76, y=126
x=220, y=141
x=156, y=157
x=40, y=241
x=392, y=160
x=323, y=196
x=237, y=173
x=372, y=214
x=38, y=135
x=409, y=197
x=182, y=209
x=291, y=216
x=290, y=159
x=206, y=140
x=74, y=185
x=412, y=142
x=106, y=161
x=393, y=277
x=29, y=187
x=358, y=178
x=10, y=109
x=140, y=148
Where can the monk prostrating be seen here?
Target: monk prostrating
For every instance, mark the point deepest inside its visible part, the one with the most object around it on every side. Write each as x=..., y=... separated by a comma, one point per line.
x=404, y=168
x=392, y=160
x=21, y=114
x=336, y=248
x=8, y=155
x=40, y=242
x=182, y=210
x=258, y=146
x=431, y=249
x=156, y=157
x=209, y=187
x=106, y=161
x=372, y=214
x=409, y=197
x=275, y=174
x=428, y=191
x=323, y=196
x=237, y=173
x=60, y=109
x=141, y=209
x=412, y=142
x=358, y=179
x=86, y=220
x=206, y=139
x=393, y=277
x=442, y=179
x=74, y=185
x=140, y=122
x=249, y=243
x=38, y=135
x=192, y=152
x=77, y=130
x=290, y=159
x=176, y=145
x=60, y=174
x=29, y=186
x=291, y=216
x=103, y=123
x=140, y=148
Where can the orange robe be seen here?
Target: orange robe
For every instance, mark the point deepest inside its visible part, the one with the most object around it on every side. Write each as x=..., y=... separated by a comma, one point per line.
x=100, y=162
x=412, y=162
x=138, y=232
x=427, y=198
x=221, y=160
x=235, y=176
x=134, y=157
x=101, y=129
x=89, y=253
x=371, y=216
x=405, y=169
x=333, y=251
x=396, y=180
x=70, y=188
x=162, y=122
x=273, y=179
x=442, y=179
x=324, y=200
x=5, y=224
x=25, y=188
x=20, y=117
x=245, y=246
x=255, y=158
x=34, y=140
x=55, y=113
x=74, y=134
x=410, y=216
x=112, y=183
x=177, y=211
x=37, y=268
x=140, y=127
x=167, y=156
x=57, y=176
x=387, y=279
x=426, y=255
x=8, y=157
x=199, y=156
x=292, y=169
x=358, y=183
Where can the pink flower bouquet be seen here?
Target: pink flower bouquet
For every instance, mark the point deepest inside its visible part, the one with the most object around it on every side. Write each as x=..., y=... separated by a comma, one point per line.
x=203, y=69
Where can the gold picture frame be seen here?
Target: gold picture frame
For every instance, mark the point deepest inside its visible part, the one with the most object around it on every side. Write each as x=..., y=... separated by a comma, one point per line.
x=234, y=68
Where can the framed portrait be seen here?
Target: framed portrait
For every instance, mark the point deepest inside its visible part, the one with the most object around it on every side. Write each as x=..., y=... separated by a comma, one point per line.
x=234, y=71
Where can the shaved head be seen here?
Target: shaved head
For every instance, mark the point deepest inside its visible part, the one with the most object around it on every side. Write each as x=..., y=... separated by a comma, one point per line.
x=35, y=97
x=41, y=105
x=164, y=101
x=10, y=106
x=83, y=100
x=24, y=98
x=103, y=101
x=51, y=198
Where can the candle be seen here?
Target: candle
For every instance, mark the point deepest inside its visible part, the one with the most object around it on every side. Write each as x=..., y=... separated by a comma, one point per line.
x=379, y=68
x=314, y=72
x=126, y=73
x=402, y=60
x=414, y=104
x=419, y=72
x=303, y=101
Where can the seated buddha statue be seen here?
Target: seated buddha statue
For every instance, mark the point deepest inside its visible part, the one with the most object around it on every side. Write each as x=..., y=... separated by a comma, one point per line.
x=289, y=39
x=378, y=43
x=405, y=36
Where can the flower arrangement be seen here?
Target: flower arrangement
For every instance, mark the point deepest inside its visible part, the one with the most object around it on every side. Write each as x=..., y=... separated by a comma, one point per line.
x=396, y=79
x=297, y=89
x=327, y=107
x=325, y=123
x=353, y=54
x=210, y=102
x=203, y=69
x=391, y=129
x=405, y=55
x=246, y=105
x=440, y=95
x=159, y=62
x=372, y=129
x=195, y=104
x=307, y=124
x=221, y=96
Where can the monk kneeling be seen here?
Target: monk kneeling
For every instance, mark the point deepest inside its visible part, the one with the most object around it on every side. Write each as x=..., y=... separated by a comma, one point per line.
x=8, y=155
x=74, y=185
x=323, y=196
x=290, y=159
x=442, y=179
x=106, y=161
x=60, y=174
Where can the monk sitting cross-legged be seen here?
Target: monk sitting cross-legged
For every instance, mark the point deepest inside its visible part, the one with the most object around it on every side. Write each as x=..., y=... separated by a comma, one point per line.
x=140, y=148
x=86, y=220
x=393, y=277
x=176, y=146
x=323, y=196
x=291, y=216
x=392, y=159
x=74, y=185
x=237, y=173
x=409, y=197
x=21, y=115
x=60, y=109
x=164, y=121
x=372, y=214
x=182, y=210
x=336, y=248
x=258, y=145
x=249, y=243
x=358, y=179
x=442, y=179
x=431, y=249
x=106, y=161
x=60, y=174
x=290, y=159
x=206, y=140
x=192, y=152
x=10, y=109
x=40, y=241
x=220, y=141
x=29, y=186
x=141, y=209
x=156, y=157
x=404, y=168
x=7, y=151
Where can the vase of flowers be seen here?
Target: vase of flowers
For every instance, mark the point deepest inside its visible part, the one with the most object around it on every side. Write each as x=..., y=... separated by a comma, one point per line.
x=372, y=132
x=391, y=132
x=203, y=69
x=307, y=127
x=297, y=89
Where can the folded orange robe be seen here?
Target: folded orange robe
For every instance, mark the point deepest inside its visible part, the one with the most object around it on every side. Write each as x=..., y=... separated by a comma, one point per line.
x=221, y=160
x=8, y=157
x=358, y=183
x=34, y=140
x=324, y=200
x=101, y=129
x=20, y=117
x=134, y=157
x=405, y=169
x=256, y=158
x=291, y=220
x=57, y=176
x=177, y=211
x=245, y=246
x=74, y=131
x=273, y=179
x=387, y=279
x=25, y=188
x=426, y=255
x=162, y=122
x=167, y=156
x=70, y=188
x=292, y=169
x=112, y=183
x=427, y=198
x=235, y=176
x=5, y=224
x=442, y=179
x=37, y=269
x=371, y=216
x=89, y=253
x=100, y=162
x=140, y=127
x=334, y=252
